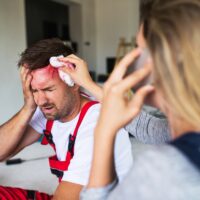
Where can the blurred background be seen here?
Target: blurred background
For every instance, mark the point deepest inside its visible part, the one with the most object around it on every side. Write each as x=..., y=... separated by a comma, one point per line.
x=97, y=29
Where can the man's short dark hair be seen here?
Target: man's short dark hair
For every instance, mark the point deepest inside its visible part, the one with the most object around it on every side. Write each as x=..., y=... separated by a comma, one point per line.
x=37, y=56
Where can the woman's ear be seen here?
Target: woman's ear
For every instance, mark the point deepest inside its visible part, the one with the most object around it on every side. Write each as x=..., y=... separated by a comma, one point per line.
x=140, y=39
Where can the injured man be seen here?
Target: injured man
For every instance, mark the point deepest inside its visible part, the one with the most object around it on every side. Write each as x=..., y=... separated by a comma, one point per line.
x=55, y=108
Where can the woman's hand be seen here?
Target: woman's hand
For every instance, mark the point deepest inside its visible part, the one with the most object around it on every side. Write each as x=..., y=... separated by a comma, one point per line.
x=117, y=110
x=80, y=75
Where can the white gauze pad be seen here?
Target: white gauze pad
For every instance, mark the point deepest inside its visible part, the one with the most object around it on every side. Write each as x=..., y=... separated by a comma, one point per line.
x=63, y=75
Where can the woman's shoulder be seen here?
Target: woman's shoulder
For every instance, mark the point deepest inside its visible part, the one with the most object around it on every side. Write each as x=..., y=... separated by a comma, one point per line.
x=164, y=157
x=164, y=166
x=161, y=172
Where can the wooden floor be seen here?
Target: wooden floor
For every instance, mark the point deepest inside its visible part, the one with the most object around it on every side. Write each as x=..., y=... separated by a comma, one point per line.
x=30, y=174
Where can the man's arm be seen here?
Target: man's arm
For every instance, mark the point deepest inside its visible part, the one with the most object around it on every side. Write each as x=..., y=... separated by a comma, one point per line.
x=67, y=191
x=15, y=134
x=78, y=171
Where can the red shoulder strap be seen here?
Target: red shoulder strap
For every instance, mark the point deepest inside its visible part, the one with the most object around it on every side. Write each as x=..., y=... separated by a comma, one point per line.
x=47, y=132
x=72, y=139
x=63, y=165
x=49, y=125
x=82, y=115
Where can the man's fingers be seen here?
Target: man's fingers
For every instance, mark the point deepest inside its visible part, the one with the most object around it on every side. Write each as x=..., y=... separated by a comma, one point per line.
x=28, y=81
x=23, y=74
x=26, y=78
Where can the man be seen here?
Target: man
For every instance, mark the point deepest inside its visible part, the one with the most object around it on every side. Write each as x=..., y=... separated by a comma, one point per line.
x=66, y=118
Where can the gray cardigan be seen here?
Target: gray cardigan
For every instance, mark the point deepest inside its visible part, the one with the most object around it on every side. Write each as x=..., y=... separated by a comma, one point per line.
x=161, y=173
x=149, y=129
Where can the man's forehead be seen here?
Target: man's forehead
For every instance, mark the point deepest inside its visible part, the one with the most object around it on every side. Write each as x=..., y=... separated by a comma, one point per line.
x=43, y=76
x=45, y=72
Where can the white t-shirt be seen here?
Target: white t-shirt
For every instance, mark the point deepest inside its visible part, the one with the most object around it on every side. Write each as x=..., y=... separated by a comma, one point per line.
x=79, y=167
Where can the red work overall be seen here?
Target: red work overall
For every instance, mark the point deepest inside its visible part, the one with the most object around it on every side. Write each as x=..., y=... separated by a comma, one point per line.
x=57, y=167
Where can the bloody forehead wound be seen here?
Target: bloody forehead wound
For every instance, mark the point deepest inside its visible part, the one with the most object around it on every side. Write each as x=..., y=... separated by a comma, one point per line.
x=44, y=73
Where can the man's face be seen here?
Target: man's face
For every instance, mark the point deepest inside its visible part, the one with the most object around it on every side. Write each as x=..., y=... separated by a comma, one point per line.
x=55, y=99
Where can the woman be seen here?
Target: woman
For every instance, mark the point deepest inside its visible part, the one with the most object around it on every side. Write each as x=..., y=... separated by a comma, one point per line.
x=170, y=171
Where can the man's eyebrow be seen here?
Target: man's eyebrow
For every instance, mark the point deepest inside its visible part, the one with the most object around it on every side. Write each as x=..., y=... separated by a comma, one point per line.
x=33, y=90
x=48, y=88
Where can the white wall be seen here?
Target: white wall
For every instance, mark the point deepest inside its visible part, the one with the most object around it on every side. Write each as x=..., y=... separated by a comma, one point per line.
x=114, y=19
x=12, y=42
x=103, y=23
x=75, y=21
x=89, y=33
x=84, y=30
x=76, y=29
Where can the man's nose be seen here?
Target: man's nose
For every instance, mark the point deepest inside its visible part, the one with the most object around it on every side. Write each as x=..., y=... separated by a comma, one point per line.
x=41, y=99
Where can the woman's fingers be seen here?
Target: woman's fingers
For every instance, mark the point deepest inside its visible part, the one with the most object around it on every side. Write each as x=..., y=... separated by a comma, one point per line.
x=71, y=63
x=136, y=103
x=121, y=68
x=71, y=58
x=131, y=80
x=117, y=92
x=135, y=78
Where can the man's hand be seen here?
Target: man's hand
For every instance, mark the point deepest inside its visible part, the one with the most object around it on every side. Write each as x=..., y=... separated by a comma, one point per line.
x=26, y=79
x=15, y=134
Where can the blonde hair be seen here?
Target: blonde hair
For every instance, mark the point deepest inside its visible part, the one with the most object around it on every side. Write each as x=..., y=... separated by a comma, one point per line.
x=173, y=38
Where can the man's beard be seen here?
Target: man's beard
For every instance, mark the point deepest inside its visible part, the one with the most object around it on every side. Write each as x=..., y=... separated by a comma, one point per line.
x=66, y=108
x=49, y=116
x=57, y=114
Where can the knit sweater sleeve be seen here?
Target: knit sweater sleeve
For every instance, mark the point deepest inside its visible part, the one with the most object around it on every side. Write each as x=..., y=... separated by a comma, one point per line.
x=149, y=129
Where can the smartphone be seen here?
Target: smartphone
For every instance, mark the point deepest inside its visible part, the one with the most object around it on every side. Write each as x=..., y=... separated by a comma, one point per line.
x=139, y=62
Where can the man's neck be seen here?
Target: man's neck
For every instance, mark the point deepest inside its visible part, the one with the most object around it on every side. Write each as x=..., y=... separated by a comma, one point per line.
x=76, y=110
